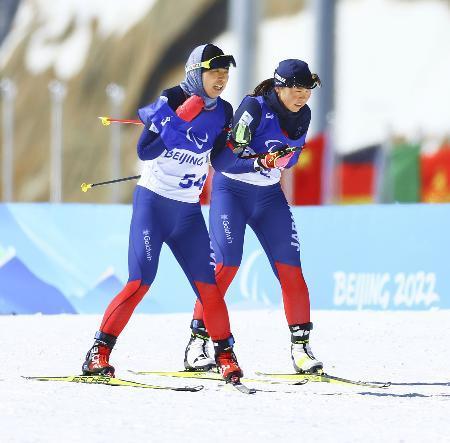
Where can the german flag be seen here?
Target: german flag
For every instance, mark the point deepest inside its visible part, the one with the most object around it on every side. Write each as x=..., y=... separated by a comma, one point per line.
x=356, y=176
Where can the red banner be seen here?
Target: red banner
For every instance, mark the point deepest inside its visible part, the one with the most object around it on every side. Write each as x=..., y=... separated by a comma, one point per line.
x=435, y=173
x=307, y=174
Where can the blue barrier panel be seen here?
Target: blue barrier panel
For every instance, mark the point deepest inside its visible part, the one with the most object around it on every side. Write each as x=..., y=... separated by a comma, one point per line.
x=73, y=258
x=377, y=256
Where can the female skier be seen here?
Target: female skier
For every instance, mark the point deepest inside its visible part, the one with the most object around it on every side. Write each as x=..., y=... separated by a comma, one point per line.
x=181, y=128
x=248, y=191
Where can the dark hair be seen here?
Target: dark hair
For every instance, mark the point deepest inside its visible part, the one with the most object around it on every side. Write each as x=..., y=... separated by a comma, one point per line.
x=263, y=88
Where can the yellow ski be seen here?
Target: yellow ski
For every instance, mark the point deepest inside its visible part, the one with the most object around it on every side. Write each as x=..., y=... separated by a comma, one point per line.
x=323, y=378
x=204, y=375
x=112, y=381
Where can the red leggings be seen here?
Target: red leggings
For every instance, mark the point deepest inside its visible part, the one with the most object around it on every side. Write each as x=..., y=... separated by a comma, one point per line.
x=122, y=306
x=293, y=286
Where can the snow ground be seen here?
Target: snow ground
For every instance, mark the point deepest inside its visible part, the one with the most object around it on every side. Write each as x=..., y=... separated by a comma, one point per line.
x=408, y=348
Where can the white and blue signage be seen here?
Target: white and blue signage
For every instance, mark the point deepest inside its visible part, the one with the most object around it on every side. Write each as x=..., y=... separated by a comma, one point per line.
x=72, y=258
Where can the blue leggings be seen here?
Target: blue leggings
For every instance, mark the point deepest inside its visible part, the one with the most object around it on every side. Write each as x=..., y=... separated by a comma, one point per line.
x=234, y=205
x=157, y=220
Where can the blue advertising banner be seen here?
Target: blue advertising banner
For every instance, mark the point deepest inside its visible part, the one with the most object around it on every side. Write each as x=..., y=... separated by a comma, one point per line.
x=72, y=258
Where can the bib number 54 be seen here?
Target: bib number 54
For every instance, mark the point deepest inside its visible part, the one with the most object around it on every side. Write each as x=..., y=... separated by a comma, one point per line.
x=191, y=180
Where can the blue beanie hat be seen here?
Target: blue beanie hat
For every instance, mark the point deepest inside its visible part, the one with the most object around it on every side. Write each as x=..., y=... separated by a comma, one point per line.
x=295, y=73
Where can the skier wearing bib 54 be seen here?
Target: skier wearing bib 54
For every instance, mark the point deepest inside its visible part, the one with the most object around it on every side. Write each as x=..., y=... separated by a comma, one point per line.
x=182, y=127
x=274, y=118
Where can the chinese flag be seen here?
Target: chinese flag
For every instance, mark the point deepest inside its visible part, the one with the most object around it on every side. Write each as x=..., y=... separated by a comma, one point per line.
x=435, y=172
x=307, y=174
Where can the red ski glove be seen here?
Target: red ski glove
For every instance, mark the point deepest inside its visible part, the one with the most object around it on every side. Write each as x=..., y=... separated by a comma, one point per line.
x=188, y=110
x=274, y=160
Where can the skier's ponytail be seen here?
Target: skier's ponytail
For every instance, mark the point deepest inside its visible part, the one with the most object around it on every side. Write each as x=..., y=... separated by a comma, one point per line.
x=263, y=88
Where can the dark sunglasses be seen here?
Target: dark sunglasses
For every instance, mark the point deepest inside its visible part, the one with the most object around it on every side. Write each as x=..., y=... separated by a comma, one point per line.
x=219, y=61
x=294, y=83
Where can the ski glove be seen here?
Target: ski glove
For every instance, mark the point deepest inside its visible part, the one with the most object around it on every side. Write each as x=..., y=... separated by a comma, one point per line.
x=188, y=110
x=273, y=160
x=240, y=138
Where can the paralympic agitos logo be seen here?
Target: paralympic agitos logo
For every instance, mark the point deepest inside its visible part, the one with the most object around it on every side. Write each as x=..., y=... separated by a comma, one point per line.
x=193, y=138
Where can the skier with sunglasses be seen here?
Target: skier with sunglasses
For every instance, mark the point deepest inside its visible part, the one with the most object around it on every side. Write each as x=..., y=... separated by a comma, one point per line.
x=182, y=127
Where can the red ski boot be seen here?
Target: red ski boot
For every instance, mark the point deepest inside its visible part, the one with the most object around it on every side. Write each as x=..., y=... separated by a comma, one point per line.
x=226, y=360
x=97, y=358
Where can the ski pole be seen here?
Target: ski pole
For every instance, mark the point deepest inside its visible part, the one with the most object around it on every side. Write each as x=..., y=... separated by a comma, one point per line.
x=106, y=121
x=86, y=186
x=283, y=151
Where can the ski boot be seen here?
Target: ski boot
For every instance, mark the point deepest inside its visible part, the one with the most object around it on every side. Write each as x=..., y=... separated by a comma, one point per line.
x=97, y=358
x=196, y=356
x=226, y=361
x=301, y=354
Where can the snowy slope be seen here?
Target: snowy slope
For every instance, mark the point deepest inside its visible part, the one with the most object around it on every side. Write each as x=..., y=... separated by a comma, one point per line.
x=67, y=54
x=392, y=60
x=407, y=348
x=392, y=67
